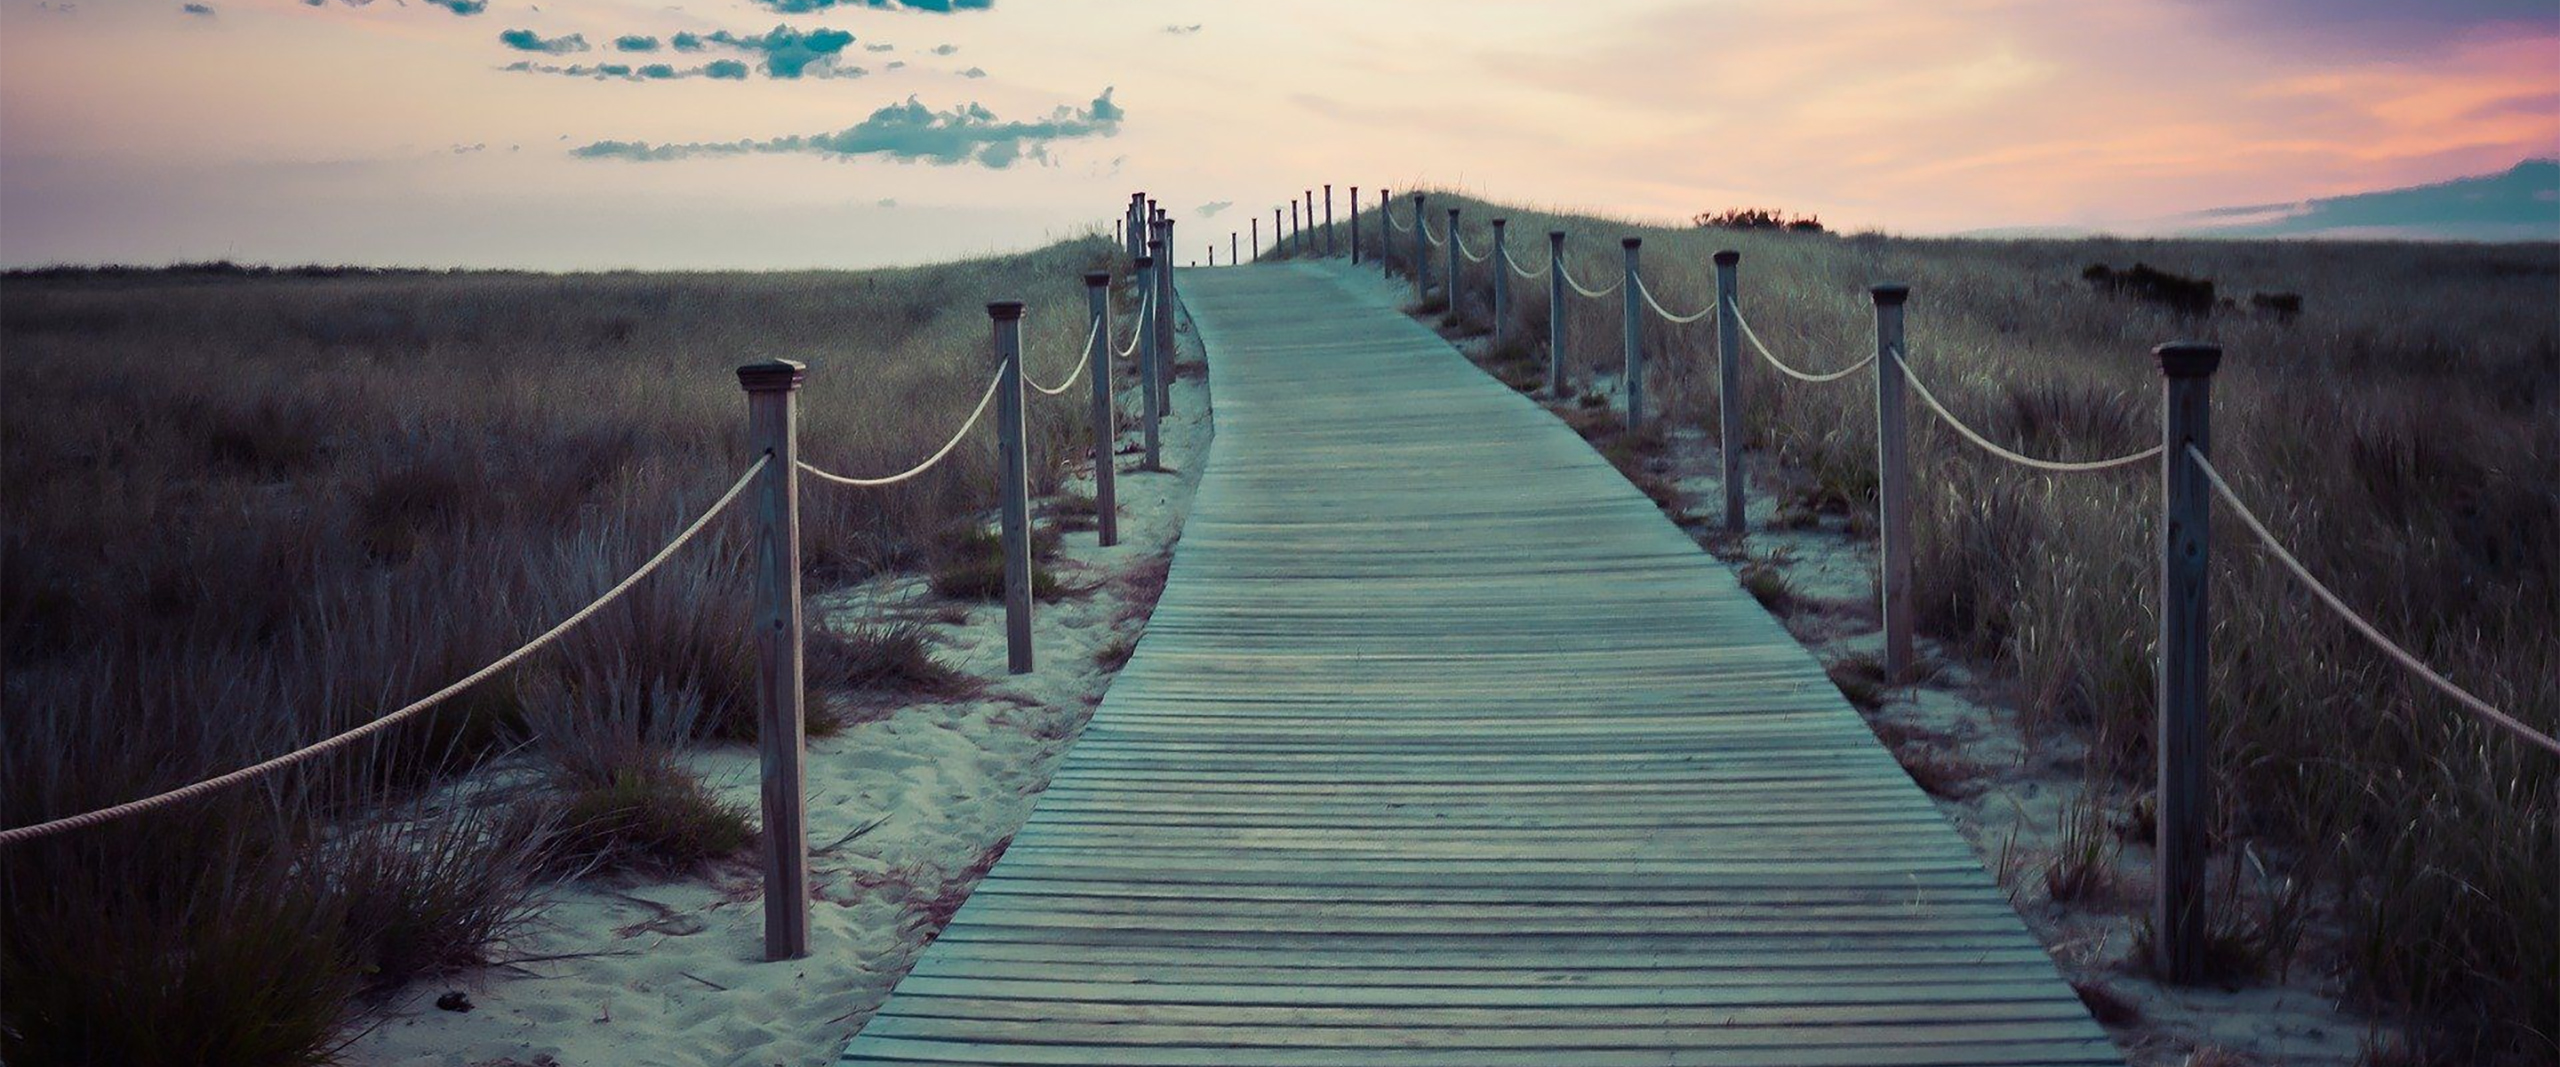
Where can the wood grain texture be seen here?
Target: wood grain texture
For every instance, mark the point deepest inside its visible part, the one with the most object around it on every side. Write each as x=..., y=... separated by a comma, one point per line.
x=1444, y=747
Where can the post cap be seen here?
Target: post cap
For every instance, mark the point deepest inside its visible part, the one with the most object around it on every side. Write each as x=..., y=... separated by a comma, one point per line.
x=1630, y=242
x=1096, y=279
x=772, y=376
x=1890, y=294
x=1555, y=235
x=1417, y=198
x=1499, y=222
x=1155, y=242
x=1728, y=257
x=1453, y=212
x=1143, y=262
x=1004, y=310
x=2181, y=359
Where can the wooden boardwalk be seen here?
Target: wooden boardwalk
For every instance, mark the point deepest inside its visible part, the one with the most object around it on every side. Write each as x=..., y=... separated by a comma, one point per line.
x=1444, y=747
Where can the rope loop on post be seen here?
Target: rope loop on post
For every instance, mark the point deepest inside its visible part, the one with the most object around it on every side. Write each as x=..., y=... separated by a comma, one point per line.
x=30, y=832
x=1803, y=376
x=2021, y=459
x=984, y=399
x=1646, y=291
x=2358, y=623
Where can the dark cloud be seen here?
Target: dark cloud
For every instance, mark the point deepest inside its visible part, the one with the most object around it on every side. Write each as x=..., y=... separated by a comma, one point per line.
x=633, y=42
x=659, y=72
x=1213, y=207
x=974, y=72
x=1183, y=31
x=2379, y=26
x=205, y=10
x=529, y=41
x=687, y=42
x=945, y=49
x=897, y=64
x=909, y=132
x=879, y=48
x=725, y=69
x=935, y=7
x=788, y=52
x=460, y=7
x=729, y=69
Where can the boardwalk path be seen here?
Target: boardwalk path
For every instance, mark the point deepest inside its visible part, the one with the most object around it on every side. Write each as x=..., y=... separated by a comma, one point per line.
x=1444, y=747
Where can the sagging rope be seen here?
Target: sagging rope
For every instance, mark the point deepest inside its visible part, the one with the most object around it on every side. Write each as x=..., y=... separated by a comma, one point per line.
x=1391, y=221
x=1987, y=445
x=1140, y=333
x=1463, y=250
x=341, y=740
x=2276, y=548
x=1524, y=274
x=1646, y=291
x=979, y=412
x=1567, y=271
x=1803, y=376
x=1083, y=357
x=1436, y=242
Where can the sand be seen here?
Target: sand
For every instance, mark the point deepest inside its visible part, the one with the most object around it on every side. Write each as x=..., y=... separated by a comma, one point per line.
x=904, y=812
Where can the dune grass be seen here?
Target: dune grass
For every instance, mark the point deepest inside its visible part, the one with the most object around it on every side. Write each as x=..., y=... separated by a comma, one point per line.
x=2387, y=409
x=248, y=509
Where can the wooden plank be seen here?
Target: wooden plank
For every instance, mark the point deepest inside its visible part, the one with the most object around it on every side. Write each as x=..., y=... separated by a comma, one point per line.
x=1444, y=747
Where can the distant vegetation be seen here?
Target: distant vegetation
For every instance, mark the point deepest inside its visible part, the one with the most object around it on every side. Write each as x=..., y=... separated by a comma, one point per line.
x=248, y=508
x=2387, y=407
x=1756, y=218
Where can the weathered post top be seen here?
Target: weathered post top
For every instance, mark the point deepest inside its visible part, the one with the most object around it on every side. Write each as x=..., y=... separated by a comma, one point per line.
x=1890, y=294
x=2177, y=359
x=1096, y=279
x=1004, y=310
x=1555, y=236
x=1145, y=261
x=1631, y=242
x=1499, y=223
x=773, y=375
x=1728, y=257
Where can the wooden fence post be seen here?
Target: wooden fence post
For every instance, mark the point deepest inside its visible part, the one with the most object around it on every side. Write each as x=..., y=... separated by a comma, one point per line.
x=773, y=431
x=1386, y=227
x=1013, y=485
x=1555, y=314
x=1449, y=277
x=1634, y=305
x=1104, y=414
x=1232, y=248
x=1149, y=414
x=1168, y=344
x=1310, y=243
x=2178, y=923
x=1501, y=285
x=1421, y=253
x=1893, y=483
x=1297, y=242
x=1355, y=225
x=1729, y=384
x=1257, y=237
x=1279, y=243
x=1137, y=234
x=1328, y=221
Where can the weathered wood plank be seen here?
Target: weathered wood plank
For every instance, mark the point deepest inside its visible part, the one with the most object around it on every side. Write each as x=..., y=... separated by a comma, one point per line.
x=1444, y=747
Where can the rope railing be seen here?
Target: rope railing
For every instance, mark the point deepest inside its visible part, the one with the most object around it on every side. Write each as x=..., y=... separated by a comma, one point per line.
x=1993, y=447
x=1427, y=236
x=1526, y=275
x=1772, y=359
x=1646, y=291
x=1567, y=270
x=414, y=708
x=1470, y=253
x=2359, y=623
x=984, y=400
x=1083, y=358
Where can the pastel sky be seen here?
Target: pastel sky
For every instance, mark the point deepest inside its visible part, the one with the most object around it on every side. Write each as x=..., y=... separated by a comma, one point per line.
x=396, y=133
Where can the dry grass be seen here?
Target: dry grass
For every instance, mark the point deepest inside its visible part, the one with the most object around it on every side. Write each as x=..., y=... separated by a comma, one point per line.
x=2396, y=429
x=247, y=510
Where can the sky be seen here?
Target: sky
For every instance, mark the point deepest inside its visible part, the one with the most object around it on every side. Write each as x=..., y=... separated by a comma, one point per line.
x=716, y=134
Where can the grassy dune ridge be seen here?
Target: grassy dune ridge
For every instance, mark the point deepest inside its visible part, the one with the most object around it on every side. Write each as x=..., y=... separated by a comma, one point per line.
x=247, y=510
x=2398, y=434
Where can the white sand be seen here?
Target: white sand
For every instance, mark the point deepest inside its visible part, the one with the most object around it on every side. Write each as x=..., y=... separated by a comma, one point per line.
x=902, y=810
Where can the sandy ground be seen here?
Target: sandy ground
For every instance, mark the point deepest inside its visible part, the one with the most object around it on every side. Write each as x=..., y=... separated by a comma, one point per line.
x=2011, y=793
x=905, y=812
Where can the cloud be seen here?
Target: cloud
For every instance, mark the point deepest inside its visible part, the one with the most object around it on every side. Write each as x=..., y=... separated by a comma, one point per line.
x=888, y=201
x=879, y=48
x=1212, y=208
x=529, y=41
x=204, y=10
x=458, y=7
x=725, y=70
x=931, y=7
x=687, y=42
x=897, y=64
x=659, y=72
x=945, y=49
x=788, y=52
x=633, y=42
x=908, y=132
x=973, y=72
x=1183, y=31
